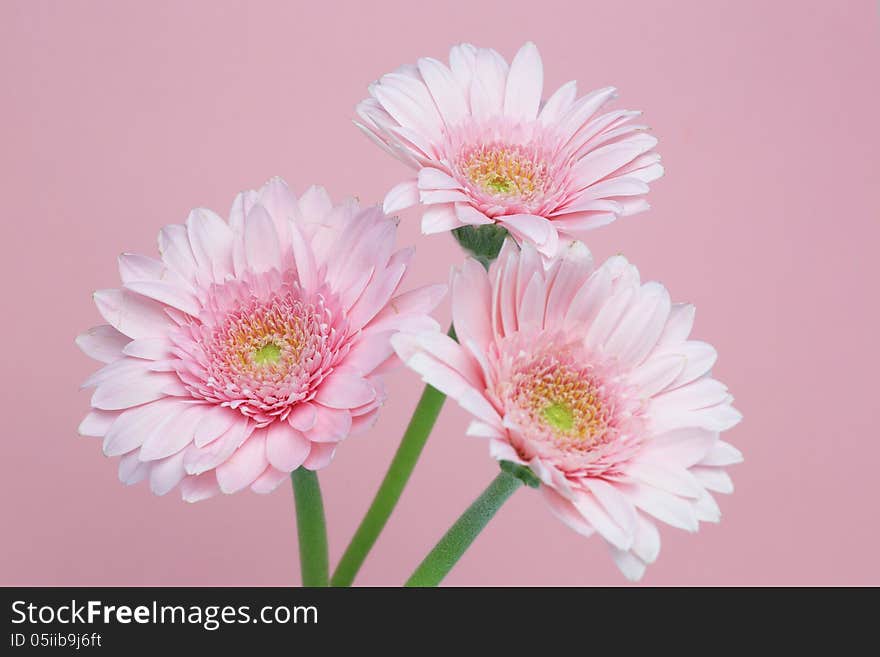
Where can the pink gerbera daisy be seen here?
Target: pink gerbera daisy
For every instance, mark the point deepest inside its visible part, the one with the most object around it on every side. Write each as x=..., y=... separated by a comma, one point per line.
x=253, y=346
x=587, y=377
x=487, y=150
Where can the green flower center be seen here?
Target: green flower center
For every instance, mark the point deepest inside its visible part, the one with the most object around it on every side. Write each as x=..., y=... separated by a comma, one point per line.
x=268, y=354
x=559, y=416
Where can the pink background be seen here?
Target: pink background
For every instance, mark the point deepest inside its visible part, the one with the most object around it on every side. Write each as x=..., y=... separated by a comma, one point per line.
x=118, y=117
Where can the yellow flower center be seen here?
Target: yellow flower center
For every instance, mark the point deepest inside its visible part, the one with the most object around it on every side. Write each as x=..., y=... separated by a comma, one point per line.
x=505, y=170
x=563, y=403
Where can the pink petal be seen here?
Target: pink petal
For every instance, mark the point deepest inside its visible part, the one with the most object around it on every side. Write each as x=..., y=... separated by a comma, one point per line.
x=135, y=267
x=124, y=392
x=369, y=351
x=598, y=518
x=531, y=228
x=615, y=503
x=664, y=506
x=431, y=178
x=419, y=301
x=418, y=114
x=376, y=296
x=201, y=459
x=715, y=479
x=702, y=393
x=467, y=214
x=320, y=456
x=531, y=309
x=722, y=453
x=575, y=266
x=286, y=448
x=103, y=343
x=682, y=447
x=363, y=423
x=641, y=326
x=606, y=160
x=439, y=218
x=132, y=470
x=566, y=512
x=303, y=416
x=444, y=378
x=215, y=422
x=211, y=241
x=699, y=359
x=262, y=249
x=401, y=196
x=558, y=104
x=608, y=317
x=281, y=204
x=269, y=480
x=462, y=60
x=629, y=564
x=435, y=196
x=668, y=477
x=345, y=389
x=176, y=252
x=679, y=324
x=166, y=473
x=172, y=435
x=149, y=349
x=488, y=84
x=132, y=314
x=132, y=427
x=167, y=294
x=471, y=301
x=195, y=488
x=304, y=257
x=656, y=374
x=330, y=425
x=445, y=90
x=525, y=83
x=97, y=423
x=245, y=465
x=582, y=110
x=589, y=299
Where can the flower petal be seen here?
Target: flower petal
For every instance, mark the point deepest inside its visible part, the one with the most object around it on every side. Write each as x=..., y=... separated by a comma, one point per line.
x=525, y=83
x=345, y=389
x=286, y=448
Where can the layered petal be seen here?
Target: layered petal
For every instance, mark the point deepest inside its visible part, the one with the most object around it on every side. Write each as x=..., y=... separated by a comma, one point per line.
x=254, y=345
x=586, y=375
x=488, y=150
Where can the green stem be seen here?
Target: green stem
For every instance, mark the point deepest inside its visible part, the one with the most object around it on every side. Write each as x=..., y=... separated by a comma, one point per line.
x=311, y=527
x=449, y=549
x=389, y=492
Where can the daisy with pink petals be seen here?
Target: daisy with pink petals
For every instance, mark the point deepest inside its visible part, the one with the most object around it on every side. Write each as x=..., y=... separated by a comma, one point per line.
x=253, y=346
x=587, y=377
x=487, y=150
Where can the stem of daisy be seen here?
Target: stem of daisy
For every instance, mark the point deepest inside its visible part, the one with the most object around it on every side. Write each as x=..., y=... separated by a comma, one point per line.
x=392, y=486
x=458, y=539
x=311, y=527
x=484, y=243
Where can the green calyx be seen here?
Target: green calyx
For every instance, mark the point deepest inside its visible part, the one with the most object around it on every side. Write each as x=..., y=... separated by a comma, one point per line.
x=482, y=242
x=521, y=472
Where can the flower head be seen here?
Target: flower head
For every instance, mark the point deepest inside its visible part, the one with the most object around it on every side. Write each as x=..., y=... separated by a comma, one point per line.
x=253, y=346
x=587, y=376
x=487, y=150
